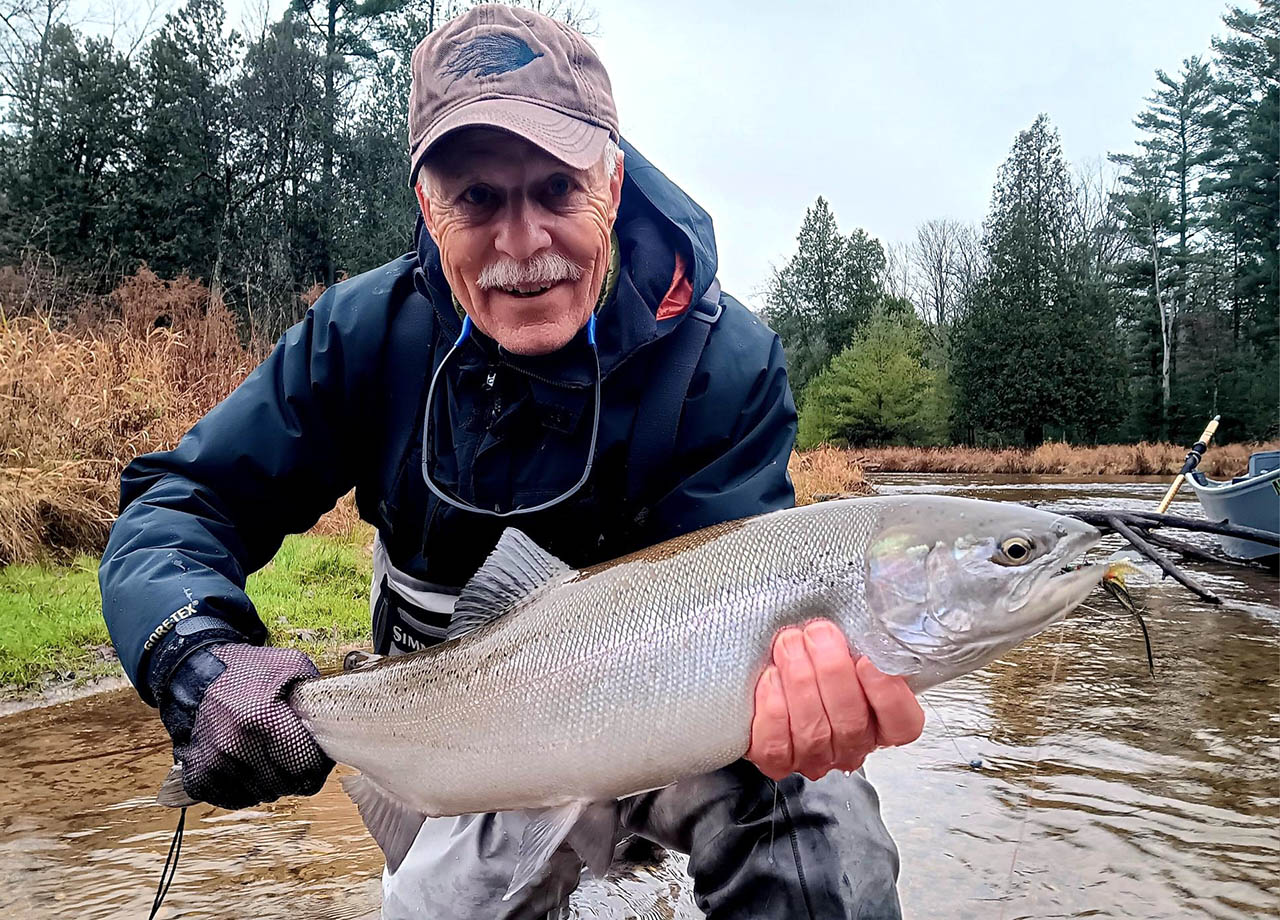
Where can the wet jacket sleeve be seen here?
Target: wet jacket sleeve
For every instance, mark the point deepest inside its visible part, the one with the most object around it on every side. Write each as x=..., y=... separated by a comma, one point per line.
x=196, y=520
x=736, y=433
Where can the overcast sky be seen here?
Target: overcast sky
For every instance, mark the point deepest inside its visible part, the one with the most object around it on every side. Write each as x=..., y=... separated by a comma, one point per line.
x=896, y=112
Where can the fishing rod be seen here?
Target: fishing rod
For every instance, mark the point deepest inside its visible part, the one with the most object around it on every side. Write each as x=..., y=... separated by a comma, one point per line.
x=1193, y=460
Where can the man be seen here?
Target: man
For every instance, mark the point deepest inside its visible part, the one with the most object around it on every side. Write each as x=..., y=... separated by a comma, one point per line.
x=554, y=355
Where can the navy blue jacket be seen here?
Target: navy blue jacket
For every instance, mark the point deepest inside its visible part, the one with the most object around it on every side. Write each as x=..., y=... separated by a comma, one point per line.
x=340, y=401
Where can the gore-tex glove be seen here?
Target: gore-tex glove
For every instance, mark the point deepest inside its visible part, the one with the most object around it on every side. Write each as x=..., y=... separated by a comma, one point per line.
x=239, y=742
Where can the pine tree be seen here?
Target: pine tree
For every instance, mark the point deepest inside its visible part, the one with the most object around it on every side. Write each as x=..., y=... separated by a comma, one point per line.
x=818, y=300
x=876, y=391
x=1246, y=218
x=181, y=184
x=342, y=27
x=1039, y=332
x=1163, y=206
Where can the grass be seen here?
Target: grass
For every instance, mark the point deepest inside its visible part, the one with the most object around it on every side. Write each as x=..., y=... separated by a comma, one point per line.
x=1053, y=458
x=312, y=596
x=50, y=621
x=82, y=396
x=826, y=471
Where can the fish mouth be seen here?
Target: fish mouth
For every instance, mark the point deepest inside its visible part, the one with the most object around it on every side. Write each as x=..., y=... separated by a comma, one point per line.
x=1069, y=587
x=1071, y=584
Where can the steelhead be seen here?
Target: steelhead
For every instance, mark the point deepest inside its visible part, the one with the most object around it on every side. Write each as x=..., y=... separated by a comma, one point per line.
x=565, y=690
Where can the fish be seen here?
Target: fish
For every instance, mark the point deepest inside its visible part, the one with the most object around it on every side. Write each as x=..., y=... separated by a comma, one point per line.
x=560, y=691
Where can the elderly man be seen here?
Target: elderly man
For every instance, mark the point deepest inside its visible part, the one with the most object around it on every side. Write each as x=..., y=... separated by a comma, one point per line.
x=555, y=353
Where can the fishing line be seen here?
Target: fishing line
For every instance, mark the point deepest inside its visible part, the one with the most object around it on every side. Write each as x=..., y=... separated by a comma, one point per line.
x=773, y=820
x=170, y=866
x=1035, y=770
x=945, y=728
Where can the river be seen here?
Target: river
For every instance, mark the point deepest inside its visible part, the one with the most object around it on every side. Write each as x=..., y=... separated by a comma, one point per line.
x=1062, y=781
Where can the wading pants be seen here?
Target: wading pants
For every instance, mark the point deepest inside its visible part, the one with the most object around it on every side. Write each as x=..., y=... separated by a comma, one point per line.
x=820, y=853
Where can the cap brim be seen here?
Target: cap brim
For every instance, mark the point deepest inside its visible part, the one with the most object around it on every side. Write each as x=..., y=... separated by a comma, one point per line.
x=578, y=143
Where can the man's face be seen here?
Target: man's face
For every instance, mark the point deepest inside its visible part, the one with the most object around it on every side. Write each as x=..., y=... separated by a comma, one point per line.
x=524, y=238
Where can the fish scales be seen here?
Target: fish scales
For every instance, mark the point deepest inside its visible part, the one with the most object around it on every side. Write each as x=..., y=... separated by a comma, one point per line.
x=526, y=711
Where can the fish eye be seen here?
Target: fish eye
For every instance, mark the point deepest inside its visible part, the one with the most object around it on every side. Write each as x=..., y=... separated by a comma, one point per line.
x=1014, y=551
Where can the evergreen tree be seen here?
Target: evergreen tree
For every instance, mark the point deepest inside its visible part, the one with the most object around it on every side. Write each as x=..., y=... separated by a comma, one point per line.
x=75, y=119
x=1038, y=333
x=343, y=28
x=1246, y=221
x=175, y=204
x=1163, y=207
x=823, y=294
x=876, y=391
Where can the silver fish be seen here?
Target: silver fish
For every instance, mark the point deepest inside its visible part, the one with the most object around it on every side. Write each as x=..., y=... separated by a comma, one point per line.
x=565, y=690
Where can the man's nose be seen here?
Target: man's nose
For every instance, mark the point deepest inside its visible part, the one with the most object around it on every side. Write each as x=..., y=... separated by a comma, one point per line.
x=521, y=234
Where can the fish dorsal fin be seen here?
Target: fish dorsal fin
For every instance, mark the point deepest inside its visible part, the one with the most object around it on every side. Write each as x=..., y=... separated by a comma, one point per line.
x=514, y=571
x=394, y=826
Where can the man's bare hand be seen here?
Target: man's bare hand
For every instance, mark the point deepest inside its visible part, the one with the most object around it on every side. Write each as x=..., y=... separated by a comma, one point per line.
x=818, y=710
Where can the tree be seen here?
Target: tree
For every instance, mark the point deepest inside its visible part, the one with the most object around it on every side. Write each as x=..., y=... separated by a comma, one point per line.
x=1162, y=203
x=343, y=28
x=823, y=294
x=75, y=120
x=1038, y=337
x=875, y=391
x=274, y=217
x=946, y=261
x=176, y=204
x=1245, y=220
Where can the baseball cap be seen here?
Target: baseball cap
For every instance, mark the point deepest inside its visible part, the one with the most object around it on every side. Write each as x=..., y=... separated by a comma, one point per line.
x=501, y=67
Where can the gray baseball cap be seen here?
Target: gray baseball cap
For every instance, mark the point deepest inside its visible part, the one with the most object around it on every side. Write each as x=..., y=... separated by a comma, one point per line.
x=501, y=67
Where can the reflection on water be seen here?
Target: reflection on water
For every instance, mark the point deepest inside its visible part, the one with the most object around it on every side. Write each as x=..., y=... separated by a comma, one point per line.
x=1098, y=791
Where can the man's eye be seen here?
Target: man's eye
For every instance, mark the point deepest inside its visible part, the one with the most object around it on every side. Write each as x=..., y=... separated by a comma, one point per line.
x=478, y=196
x=559, y=186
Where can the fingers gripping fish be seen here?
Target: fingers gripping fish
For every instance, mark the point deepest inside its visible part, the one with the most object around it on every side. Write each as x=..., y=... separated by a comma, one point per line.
x=564, y=690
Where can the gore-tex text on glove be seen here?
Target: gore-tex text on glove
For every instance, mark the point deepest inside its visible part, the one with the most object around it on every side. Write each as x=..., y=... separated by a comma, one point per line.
x=245, y=744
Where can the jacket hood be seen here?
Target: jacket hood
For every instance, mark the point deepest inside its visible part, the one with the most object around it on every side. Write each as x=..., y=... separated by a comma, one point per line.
x=655, y=220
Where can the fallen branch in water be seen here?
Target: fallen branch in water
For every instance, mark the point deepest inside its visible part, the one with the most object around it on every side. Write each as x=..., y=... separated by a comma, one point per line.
x=1143, y=546
x=1148, y=519
x=1137, y=528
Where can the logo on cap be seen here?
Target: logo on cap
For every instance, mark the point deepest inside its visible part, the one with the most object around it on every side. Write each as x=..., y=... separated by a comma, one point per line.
x=487, y=56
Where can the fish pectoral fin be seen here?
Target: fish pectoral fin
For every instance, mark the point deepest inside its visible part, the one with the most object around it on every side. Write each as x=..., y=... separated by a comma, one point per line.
x=546, y=830
x=172, y=793
x=594, y=835
x=515, y=569
x=393, y=825
x=588, y=827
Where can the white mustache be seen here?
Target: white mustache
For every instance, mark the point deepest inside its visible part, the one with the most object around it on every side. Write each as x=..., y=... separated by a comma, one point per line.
x=543, y=269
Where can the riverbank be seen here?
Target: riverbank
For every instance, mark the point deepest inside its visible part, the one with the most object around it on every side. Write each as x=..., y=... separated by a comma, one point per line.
x=313, y=596
x=1055, y=458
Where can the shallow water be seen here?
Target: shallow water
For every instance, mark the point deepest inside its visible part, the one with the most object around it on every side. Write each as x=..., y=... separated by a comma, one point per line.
x=1100, y=791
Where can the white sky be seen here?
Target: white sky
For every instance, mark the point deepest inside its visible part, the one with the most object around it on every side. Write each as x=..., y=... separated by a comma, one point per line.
x=897, y=112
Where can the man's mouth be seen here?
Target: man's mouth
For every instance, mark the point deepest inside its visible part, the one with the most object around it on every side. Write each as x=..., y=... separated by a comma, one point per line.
x=529, y=290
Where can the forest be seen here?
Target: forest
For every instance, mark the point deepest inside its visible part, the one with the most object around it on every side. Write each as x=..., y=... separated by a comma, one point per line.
x=1124, y=300
x=1119, y=301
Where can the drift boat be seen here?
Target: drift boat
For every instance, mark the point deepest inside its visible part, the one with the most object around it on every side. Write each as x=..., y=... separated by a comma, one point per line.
x=1252, y=500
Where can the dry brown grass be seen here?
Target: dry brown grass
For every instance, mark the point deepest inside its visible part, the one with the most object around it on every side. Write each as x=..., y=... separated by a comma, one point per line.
x=77, y=403
x=826, y=471
x=344, y=521
x=1057, y=458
